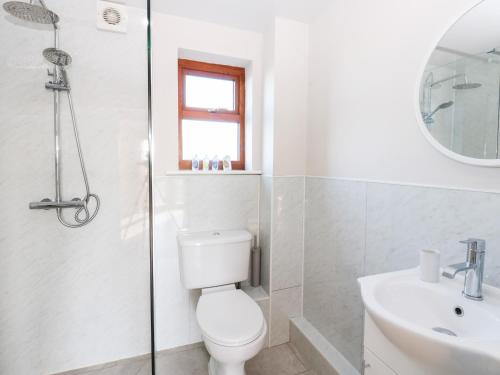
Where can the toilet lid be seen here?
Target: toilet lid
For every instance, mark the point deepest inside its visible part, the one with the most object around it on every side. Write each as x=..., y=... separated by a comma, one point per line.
x=229, y=318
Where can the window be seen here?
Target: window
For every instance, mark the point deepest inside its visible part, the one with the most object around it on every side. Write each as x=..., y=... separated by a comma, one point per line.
x=211, y=113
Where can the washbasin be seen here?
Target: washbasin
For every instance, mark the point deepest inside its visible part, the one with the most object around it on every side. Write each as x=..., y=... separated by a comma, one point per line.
x=433, y=323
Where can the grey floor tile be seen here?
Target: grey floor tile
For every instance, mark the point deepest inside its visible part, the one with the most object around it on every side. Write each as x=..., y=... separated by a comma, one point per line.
x=278, y=360
x=141, y=366
x=188, y=362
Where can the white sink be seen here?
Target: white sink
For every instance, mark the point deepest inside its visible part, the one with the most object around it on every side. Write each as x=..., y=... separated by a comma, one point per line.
x=421, y=320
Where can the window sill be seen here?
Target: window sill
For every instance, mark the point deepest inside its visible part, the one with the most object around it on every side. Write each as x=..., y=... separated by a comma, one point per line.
x=211, y=173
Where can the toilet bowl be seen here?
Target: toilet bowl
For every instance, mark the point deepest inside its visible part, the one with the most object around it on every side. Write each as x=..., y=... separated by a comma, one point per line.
x=233, y=329
x=232, y=324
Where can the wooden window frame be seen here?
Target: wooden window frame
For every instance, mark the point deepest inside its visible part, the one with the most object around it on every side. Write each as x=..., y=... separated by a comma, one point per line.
x=202, y=69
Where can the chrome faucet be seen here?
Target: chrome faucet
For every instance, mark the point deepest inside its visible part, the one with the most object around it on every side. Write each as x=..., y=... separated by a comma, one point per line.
x=473, y=268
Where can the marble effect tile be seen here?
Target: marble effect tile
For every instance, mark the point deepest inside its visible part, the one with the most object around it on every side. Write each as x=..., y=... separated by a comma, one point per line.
x=265, y=306
x=285, y=304
x=68, y=294
x=194, y=203
x=266, y=193
x=357, y=228
x=402, y=220
x=287, y=232
x=334, y=259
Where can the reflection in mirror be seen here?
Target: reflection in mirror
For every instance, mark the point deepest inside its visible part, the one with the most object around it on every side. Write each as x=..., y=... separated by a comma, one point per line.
x=460, y=88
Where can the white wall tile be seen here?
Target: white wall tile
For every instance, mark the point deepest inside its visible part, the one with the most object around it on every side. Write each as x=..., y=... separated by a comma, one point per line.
x=265, y=307
x=266, y=193
x=73, y=297
x=358, y=228
x=334, y=258
x=287, y=232
x=194, y=203
x=402, y=220
x=285, y=304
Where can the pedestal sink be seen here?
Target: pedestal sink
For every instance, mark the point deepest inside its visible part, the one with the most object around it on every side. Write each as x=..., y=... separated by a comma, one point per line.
x=419, y=328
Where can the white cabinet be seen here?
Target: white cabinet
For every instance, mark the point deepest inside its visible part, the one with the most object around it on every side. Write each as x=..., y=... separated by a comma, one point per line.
x=374, y=366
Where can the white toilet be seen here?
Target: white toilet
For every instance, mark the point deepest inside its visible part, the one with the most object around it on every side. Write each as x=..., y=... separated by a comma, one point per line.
x=232, y=324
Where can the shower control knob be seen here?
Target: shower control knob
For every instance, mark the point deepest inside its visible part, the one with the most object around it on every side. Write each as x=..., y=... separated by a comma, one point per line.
x=46, y=200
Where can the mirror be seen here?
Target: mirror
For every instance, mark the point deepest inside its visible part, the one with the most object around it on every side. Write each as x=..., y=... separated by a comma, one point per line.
x=460, y=88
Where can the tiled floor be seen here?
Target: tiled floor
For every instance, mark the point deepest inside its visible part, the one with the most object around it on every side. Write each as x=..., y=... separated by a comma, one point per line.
x=279, y=360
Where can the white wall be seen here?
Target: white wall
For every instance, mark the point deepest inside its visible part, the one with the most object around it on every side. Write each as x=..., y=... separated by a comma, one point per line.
x=365, y=64
x=285, y=98
x=291, y=92
x=71, y=298
x=172, y=37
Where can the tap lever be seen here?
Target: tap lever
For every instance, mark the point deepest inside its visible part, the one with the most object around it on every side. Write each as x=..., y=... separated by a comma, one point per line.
x=473, y=268
x=475, y=244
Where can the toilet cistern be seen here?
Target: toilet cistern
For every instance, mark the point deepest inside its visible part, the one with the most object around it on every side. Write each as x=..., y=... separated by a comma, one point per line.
x=473, y=268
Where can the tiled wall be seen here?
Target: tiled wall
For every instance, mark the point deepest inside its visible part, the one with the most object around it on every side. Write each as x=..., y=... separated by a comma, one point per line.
x=205, y=202
x=282, y=212
x=359, y=228
x=195, y=203
x=71, y=298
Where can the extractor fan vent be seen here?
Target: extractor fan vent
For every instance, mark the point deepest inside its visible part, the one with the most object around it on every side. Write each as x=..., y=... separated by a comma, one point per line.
x=111, y=16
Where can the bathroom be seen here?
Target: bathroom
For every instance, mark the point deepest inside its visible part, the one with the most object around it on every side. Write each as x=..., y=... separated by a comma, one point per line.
x=300, y=211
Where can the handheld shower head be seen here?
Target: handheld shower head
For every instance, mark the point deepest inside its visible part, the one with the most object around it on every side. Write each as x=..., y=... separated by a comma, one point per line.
x=428, y=116
x=31, y=12
x=443, y=106
x=57, y=56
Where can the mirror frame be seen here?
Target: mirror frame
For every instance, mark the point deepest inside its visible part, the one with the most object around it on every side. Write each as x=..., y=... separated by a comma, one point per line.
x=423, y=128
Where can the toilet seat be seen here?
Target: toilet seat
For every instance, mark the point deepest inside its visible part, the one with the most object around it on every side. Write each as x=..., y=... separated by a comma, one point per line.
x=230, y=318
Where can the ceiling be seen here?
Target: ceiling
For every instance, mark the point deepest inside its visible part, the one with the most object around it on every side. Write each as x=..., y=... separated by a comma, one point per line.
x=244, y=14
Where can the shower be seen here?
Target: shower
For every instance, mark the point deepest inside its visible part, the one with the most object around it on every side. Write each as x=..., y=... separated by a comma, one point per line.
x=59, y=83
x=430, y=85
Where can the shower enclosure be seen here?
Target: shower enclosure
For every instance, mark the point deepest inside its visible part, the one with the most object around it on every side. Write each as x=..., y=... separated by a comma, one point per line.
x=459, y=102
x=80, y=296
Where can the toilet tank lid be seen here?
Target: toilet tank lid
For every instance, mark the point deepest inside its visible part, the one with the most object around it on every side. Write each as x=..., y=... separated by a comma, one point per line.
x=213, y=237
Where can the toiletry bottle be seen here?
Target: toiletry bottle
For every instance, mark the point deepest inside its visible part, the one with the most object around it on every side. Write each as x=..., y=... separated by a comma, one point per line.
x=195, y=163
x=226, y=163
x=206, y=163
x=215, y=163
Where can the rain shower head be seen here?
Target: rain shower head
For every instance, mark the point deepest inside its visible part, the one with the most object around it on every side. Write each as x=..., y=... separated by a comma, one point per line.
x=30, y=12
x=467, y=86
x=57, y=57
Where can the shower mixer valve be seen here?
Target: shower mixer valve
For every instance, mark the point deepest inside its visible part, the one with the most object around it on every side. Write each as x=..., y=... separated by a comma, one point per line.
x=62, y=82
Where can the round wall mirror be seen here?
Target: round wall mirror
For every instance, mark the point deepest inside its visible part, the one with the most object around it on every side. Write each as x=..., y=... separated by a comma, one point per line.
x=459, y=93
